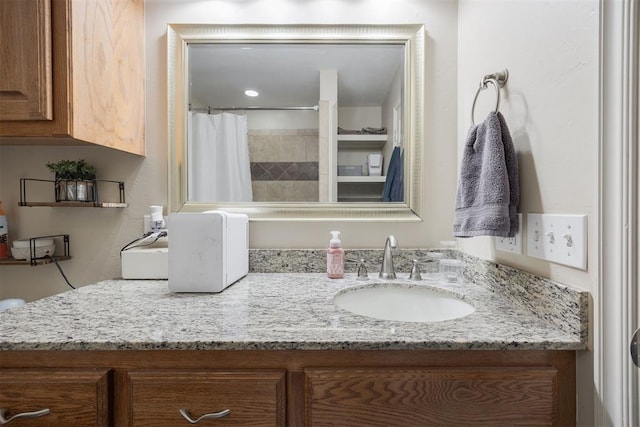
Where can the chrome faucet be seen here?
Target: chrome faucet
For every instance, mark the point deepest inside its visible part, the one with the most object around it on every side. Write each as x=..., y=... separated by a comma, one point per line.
x=387, y=271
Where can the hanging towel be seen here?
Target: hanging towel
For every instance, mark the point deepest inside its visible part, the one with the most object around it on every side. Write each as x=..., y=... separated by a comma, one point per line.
x=394, y=184
x=488, y=192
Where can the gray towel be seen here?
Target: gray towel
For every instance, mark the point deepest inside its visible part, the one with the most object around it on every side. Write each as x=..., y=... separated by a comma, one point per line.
x=488, y=192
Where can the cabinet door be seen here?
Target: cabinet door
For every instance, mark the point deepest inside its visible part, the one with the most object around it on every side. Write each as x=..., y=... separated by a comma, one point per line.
x=95, y=70
x=438, y=396
x=74, y=397
x=25, y=69
x=239, y=398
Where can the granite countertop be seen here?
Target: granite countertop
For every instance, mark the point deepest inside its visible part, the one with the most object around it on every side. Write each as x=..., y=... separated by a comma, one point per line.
x=269, y=311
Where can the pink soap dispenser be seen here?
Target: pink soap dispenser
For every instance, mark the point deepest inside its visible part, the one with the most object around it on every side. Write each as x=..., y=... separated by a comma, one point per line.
x=335, y=257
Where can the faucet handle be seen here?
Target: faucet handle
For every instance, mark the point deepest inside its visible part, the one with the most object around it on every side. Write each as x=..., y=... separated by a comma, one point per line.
x=362, y=271
x=415, y=271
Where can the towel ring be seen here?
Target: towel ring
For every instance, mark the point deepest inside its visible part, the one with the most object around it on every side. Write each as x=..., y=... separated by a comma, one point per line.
x=498, y=80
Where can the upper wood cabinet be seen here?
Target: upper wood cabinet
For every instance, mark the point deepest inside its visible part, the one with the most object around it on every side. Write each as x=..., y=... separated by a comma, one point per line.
x=94, y=84
x=25, y=72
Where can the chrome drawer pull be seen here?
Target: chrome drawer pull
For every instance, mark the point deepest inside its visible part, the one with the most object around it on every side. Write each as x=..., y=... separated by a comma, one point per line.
x=34, y=414
x=211, y=416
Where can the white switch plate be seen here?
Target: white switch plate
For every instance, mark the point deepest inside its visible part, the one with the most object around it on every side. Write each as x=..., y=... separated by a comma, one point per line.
x=511, y=244
x=558, y=238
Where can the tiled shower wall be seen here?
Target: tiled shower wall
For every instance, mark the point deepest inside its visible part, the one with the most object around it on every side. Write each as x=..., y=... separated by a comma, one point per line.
x=284, y=165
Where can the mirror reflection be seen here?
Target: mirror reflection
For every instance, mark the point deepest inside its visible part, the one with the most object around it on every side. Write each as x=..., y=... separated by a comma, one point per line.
x=323, y=133
x=295, y=122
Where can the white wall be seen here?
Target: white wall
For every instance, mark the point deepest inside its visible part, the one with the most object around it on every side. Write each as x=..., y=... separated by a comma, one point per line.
x=279, y=119
x=550, y=104
x=440, y=19
x=355, y=118
x=98, y=234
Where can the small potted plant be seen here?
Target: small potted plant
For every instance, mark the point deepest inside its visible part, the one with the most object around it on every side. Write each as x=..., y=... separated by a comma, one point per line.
x=74, y=180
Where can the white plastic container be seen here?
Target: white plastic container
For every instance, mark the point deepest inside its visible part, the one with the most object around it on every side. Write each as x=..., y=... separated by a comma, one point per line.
x=207, y=251
x=349, y=170
x=6, y=304
x=374, y=160
x=43, y=247
x=149, y=262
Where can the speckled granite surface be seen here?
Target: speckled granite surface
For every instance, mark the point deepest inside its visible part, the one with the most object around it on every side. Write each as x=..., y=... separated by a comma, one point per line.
x=315, y=260
x=565, y=307
x=268, y=311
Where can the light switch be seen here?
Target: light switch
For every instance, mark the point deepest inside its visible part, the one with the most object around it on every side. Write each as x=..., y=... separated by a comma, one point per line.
x=558, y=238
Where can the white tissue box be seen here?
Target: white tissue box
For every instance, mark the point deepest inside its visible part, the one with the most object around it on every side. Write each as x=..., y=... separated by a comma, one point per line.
x=209, y=250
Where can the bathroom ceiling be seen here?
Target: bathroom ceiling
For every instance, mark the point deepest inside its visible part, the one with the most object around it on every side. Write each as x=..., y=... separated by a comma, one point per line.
x=288, y=75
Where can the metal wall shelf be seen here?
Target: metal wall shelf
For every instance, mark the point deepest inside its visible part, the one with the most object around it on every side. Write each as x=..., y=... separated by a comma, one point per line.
x=112, y=188
x=41, y=261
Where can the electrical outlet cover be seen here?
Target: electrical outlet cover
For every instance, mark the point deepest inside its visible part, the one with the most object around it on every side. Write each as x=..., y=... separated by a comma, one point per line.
x=511, y=244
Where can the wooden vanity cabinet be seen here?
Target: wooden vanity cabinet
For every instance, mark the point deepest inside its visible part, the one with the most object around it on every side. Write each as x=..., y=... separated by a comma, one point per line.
x=325, y=387
x=431, y=396
x=236, y=397
x=74, y=397
x=75, y=73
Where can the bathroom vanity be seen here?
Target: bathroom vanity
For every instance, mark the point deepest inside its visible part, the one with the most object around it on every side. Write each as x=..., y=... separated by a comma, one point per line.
x=273, y=349
x=295, y=388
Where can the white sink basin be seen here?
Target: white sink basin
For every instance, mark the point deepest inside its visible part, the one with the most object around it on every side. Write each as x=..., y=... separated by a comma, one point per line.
x=408, y=303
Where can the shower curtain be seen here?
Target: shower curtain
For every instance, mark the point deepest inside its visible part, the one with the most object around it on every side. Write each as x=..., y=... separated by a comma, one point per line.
x=218, y=158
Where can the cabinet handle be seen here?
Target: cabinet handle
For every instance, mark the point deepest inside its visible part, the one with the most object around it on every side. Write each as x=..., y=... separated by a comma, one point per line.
x=34, y=414
x=211, y=416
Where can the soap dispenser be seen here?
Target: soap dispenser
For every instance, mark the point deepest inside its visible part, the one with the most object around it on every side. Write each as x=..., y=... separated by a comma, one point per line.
x=335, y=257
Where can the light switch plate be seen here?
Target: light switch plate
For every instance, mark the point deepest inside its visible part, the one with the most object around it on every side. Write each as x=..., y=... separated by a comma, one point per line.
x=561, y=239
x=511, y=244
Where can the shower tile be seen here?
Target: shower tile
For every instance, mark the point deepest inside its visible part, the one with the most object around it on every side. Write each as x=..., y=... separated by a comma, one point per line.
x=291, y=148
x=259, y=132
x=259, y=189
x=312, y=148
x=275, y=170
x=284, y=171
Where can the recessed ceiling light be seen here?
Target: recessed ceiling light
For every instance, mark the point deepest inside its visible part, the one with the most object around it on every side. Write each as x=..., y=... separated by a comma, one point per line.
x=252, y=93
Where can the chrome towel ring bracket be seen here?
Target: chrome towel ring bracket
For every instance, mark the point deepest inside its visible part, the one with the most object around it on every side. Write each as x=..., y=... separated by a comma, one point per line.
x=498, y=80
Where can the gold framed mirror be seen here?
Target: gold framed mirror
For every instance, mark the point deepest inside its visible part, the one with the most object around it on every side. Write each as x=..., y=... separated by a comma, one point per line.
x=182, y=37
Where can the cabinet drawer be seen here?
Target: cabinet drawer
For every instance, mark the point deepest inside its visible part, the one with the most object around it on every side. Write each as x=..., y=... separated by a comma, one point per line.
x=253, y=398
x=75, y=397
x=431, y=396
